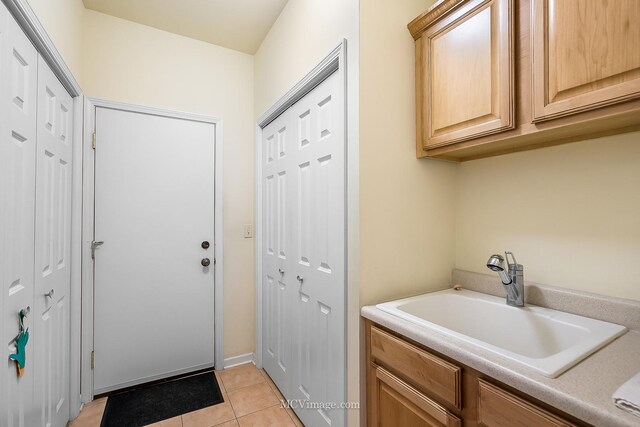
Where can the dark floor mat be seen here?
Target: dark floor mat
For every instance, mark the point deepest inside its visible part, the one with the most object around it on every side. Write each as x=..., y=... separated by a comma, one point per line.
x=150, y=404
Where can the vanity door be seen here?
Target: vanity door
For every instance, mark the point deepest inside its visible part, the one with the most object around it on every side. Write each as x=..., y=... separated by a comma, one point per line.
x=396, y=403
x=498, y=407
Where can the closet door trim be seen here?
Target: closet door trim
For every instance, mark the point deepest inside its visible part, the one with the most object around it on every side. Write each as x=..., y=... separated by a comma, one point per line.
x=34, y=30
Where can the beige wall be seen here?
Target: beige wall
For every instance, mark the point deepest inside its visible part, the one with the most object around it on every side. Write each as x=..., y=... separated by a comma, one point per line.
x=304, y=33
x=571, y=214
x=406, y=205
x=128, y=62
x=62, y=20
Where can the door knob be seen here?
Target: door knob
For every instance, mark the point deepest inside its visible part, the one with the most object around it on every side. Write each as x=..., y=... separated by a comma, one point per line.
x=300, y=279
x=205, y=245
x=281, y=271
x=205, y=262
x=49, y=294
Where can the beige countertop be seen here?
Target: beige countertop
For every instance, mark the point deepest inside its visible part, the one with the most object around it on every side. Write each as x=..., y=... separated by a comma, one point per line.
x=583, y=391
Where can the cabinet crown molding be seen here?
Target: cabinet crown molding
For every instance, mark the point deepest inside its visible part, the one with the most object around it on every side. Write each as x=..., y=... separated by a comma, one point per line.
x=432, y=15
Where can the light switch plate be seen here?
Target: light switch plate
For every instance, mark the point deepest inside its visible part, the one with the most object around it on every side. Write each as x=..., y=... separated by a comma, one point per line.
x=248, y=231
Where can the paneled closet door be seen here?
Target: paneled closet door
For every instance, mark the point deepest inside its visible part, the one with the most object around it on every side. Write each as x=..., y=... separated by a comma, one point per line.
x=319, y=185
x=278, y=268
x=304, y=236
x=52, y=254
x=18, y=82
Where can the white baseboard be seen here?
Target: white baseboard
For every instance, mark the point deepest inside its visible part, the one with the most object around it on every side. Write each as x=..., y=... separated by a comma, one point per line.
x=241, y=359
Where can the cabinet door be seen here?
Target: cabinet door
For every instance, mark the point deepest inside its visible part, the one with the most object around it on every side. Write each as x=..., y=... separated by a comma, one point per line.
x=465, y=67
x=585, y=55
x=395, y=403
x=499, y=408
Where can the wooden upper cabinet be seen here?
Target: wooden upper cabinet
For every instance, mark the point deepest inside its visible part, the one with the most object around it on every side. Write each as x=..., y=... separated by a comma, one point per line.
x=464, y=71
x=498, y=76
x=586, y=54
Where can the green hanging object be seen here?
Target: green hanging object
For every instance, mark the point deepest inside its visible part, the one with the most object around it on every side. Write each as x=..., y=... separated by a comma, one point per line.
x=21, y=343
x=20, y=356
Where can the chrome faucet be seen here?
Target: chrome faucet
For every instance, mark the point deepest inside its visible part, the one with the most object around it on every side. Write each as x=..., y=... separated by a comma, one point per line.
x=513, y=281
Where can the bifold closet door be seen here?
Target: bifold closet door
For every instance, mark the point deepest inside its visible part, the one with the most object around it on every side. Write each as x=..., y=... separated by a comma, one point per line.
x=303, y=256
x=35, y=229
x=52, y=250
x=18, y=83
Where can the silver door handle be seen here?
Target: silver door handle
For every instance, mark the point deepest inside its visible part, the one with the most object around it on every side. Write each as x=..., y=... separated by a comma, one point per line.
x=300, y=279
x=49, y=294
x=21, y=315
x=94, y=245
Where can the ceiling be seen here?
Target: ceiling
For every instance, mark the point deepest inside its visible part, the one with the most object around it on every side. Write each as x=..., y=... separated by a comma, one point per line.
x=235, y=24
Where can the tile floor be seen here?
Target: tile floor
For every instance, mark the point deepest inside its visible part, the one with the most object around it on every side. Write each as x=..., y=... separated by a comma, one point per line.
x=251, y=399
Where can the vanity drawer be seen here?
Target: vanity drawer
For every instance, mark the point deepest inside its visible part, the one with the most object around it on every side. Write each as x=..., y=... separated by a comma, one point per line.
x=428, y=372
x=499, y=408
x=397, y=403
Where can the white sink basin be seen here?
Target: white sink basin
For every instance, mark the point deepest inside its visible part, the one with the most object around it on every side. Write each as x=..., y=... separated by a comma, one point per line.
x=543, y=339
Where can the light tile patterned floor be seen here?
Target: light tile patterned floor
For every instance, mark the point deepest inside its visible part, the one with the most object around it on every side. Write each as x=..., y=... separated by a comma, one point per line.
x=251, y=399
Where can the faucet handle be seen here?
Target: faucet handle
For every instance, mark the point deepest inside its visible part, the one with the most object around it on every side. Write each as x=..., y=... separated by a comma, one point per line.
x=512, y=265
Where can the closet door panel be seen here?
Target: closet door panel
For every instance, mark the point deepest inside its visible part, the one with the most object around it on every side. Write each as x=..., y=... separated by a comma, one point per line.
x=319, y=191
x=279, y=278
x=18, y=80
x=52, y=271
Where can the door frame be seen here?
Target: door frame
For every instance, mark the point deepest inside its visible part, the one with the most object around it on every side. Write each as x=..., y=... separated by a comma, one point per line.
x=35, y=32
x=88, y=197
x=335, y=62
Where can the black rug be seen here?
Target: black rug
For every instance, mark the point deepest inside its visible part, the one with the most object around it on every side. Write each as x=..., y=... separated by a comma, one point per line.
x=153, y=403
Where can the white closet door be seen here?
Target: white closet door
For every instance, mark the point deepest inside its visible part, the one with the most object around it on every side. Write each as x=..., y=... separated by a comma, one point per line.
x=52, y=254
x=278, y=271
x=18, y=80
x=304, y=214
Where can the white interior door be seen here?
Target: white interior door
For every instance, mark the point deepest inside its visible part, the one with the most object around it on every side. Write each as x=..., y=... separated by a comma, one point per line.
x=52, y=249
x=304, y=292
x=18, y=82
x=154, y=207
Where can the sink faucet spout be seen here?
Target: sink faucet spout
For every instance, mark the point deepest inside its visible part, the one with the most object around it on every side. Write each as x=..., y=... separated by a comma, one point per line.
x=513, y=280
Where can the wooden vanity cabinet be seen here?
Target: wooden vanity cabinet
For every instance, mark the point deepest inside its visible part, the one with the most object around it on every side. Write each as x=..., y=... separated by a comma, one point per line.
x=397, y=403
x=498, y=76
x=498, y=407
x=410, y=385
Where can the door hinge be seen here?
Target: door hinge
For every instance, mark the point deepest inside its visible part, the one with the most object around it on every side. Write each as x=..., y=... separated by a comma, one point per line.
x=93, y=360
x=93, y=141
